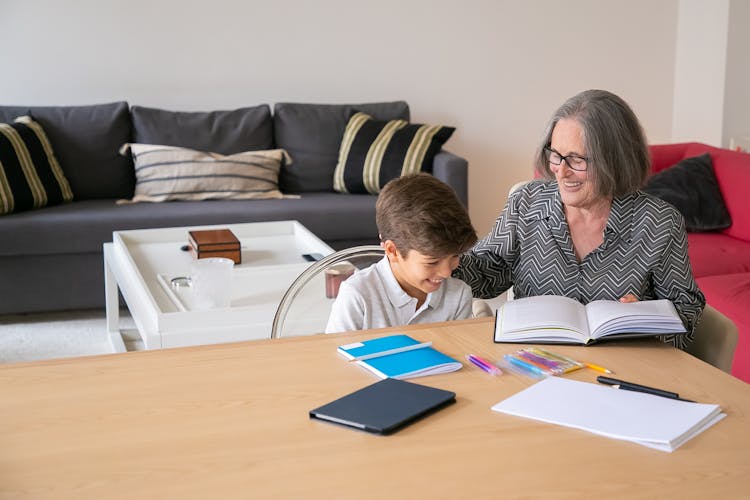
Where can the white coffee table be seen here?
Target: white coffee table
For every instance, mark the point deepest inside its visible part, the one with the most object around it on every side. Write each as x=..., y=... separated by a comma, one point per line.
x=141, y=264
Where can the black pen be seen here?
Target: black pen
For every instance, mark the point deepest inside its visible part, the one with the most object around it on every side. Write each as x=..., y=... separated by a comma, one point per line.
x=630, y=386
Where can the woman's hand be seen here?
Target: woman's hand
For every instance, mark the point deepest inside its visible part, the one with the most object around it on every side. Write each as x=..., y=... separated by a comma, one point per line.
x=629, y=298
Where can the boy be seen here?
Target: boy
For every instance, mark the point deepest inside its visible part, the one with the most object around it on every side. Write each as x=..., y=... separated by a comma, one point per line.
x=423, y=229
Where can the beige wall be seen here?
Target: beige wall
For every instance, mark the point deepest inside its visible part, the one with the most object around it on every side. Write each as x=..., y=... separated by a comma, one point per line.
x=712, y=76
x=737, y=85
x=494, y=69
x=701, y=64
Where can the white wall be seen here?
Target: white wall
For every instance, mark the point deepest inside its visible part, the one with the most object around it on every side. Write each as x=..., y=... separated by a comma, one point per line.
x=701, y=61
x=494, y=69
x=737, y=87
x=712, y=74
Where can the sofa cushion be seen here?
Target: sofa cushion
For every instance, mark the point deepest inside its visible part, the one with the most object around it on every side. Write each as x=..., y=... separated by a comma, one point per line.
x=375, y=151
x=83, y=226
x=223, y=132
x=717, y=253
x=166, y=173
x=86, y=140
x=312, y=133
x=30, y=176
x=691, y=187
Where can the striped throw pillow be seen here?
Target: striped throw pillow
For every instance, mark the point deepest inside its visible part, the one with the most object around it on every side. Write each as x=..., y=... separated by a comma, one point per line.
x=166, y=173
x=373, y=152
x=30, y=176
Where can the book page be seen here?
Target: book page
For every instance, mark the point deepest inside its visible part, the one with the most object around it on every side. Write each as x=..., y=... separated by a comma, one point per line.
x=543, y=318
x=609, y=317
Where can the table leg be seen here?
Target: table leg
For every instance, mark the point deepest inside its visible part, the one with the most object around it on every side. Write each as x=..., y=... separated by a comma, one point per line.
x=112, y=307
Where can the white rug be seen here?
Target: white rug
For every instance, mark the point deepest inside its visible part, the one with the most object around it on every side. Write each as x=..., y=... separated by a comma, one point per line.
x=31, y=337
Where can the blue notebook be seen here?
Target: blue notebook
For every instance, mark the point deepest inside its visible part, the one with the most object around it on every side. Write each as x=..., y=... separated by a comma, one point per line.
x=424, y=360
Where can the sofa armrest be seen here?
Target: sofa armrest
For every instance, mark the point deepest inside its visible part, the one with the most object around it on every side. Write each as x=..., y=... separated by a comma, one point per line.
x=454, y=171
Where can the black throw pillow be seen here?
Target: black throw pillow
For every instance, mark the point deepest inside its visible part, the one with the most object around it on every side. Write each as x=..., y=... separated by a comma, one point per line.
x=30, y=175
x=691, y=187
x=373, y=152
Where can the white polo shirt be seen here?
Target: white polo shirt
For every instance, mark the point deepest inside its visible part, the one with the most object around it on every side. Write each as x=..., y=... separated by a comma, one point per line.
x=372, y=298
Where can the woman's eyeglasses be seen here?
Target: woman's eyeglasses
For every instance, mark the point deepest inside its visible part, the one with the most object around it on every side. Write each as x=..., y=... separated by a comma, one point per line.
x=575, y=162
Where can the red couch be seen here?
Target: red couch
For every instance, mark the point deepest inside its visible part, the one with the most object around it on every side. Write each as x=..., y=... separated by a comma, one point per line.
x=721, y=260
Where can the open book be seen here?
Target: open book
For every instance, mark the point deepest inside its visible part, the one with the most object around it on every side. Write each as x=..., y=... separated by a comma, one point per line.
x=557, y=319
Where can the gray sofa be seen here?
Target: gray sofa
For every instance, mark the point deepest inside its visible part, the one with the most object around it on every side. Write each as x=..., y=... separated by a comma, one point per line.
x=51, y=258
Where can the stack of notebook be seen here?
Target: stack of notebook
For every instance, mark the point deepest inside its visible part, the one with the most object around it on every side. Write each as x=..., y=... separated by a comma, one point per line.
x=399, y=356
x=653, y=421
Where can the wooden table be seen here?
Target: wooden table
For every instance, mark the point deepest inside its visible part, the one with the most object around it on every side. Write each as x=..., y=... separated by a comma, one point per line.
x=231, y=420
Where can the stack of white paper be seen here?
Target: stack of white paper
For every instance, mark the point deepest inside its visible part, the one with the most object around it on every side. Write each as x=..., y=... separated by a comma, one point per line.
x=653, y=421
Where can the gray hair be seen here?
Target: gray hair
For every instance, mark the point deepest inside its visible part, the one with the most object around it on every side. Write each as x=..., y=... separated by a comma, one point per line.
x=616, y=148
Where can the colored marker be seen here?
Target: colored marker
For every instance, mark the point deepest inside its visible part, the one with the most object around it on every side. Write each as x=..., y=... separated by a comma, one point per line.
x=560, y=356
x=574, y=365
x=523, y=355
x=484, y=364
x=523, y=364
x=539, y=360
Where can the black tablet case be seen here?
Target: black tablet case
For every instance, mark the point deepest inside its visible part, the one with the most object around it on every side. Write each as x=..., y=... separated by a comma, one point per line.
x=385, y=406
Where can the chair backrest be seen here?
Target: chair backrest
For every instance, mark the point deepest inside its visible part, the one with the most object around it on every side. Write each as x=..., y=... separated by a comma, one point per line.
x=308, y=293
x=715, y=339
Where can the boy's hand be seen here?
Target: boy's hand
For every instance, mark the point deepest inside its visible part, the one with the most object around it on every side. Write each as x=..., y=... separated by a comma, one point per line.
x=629, y=298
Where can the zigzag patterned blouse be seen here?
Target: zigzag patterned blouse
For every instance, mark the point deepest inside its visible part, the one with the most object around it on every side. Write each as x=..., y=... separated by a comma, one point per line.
x=644, y=252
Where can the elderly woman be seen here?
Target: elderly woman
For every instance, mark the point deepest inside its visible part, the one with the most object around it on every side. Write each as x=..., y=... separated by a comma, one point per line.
x=586, y=231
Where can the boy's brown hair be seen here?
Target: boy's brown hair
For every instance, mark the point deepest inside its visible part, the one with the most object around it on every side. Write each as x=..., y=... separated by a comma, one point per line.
x=419, y=212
